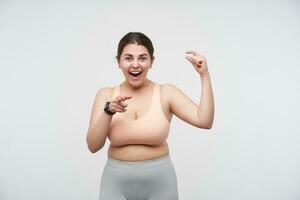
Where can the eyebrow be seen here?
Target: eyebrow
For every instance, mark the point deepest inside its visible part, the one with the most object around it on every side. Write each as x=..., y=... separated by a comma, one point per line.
x=139, y=55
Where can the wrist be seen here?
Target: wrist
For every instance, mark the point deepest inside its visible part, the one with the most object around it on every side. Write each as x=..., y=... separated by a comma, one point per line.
x=107, y=110
x=204, y=75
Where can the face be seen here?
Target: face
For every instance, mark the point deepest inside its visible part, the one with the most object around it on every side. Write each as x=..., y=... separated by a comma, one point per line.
x=135, y=59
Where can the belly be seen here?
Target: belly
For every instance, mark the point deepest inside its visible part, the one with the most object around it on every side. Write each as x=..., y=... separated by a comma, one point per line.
x=137, y=152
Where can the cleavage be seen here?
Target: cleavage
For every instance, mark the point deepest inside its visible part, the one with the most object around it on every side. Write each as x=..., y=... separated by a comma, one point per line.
x=138, y=106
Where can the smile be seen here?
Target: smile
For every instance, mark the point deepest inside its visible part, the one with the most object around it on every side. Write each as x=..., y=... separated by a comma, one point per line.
x=135, y=74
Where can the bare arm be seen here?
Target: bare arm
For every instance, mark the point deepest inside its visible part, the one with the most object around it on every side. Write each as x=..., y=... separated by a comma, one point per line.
x=99, y=123
x=206, y=106
x=202, y=115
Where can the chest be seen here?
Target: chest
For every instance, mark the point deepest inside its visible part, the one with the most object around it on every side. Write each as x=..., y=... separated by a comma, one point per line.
x=138, y=106
x=141, y=104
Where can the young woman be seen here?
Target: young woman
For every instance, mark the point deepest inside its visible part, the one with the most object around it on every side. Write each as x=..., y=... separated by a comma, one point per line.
x=136, y=115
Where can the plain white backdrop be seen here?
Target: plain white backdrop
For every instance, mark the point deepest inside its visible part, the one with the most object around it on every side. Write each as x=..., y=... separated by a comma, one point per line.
x=55, y=55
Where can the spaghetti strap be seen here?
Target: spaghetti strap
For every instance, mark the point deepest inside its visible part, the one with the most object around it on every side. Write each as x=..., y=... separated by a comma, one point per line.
x=116, y=91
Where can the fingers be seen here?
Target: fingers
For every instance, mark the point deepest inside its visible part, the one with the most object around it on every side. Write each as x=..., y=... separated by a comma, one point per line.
x=126, y=97
x=118, y=103
x=194, y=53
x=191, y=58
x=195, y=58
x=119, y=108
x=115, y=106
x=122, y=98
x=198, y=61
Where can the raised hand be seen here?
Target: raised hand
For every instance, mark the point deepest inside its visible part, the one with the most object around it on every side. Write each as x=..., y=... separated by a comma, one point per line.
x=199, y=61
x=118, y=104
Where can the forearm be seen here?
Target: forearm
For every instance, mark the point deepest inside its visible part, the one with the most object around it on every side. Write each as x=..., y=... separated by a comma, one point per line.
x=97, y=133
x=206, y=106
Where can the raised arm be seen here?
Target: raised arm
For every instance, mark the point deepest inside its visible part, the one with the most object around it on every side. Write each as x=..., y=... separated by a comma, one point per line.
x=201, y=115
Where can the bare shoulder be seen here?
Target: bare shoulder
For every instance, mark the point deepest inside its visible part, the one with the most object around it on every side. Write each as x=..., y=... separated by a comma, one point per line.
x=181, y=105
x=105, y=93
x=168, y=85
x=168, y=92
x=168, y=89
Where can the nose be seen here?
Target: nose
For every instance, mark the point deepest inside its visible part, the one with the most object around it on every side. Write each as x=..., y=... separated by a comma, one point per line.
x=135, y=63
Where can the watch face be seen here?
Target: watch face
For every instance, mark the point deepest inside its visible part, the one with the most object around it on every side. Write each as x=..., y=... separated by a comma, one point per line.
x=107, y=110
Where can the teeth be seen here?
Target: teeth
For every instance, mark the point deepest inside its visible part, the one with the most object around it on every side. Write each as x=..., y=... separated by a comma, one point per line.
x=135, y=72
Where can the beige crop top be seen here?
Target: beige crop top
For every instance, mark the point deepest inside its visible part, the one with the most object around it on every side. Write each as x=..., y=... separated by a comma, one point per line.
x=151, y=129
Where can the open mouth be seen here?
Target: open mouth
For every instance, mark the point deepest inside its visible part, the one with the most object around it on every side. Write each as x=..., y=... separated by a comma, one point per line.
x=135, y=74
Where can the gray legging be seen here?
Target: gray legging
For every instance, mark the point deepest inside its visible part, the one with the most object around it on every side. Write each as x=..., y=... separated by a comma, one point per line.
x=153, y=179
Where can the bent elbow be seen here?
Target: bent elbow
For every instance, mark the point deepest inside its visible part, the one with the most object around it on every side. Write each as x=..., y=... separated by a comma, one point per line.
x=205, y=126
x=92, y=148
x=208, y=127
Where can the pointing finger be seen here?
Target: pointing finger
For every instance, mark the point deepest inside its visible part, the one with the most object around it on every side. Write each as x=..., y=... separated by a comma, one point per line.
x=126, y=97
x=123, y=99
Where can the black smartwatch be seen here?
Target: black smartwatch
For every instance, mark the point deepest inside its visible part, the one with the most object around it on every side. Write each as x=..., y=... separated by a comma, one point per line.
x=106, y=109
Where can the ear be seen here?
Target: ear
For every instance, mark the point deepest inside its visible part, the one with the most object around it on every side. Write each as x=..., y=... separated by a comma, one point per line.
x=118, y=63
x=152, y=60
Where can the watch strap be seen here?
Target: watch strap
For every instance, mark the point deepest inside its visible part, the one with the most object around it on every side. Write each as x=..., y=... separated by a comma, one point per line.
x=106, y=109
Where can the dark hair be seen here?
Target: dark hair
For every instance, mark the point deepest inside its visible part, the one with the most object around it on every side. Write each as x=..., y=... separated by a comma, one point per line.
x=135, y=38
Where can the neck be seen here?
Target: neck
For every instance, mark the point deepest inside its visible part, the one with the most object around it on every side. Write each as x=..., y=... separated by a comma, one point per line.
x=136, y=88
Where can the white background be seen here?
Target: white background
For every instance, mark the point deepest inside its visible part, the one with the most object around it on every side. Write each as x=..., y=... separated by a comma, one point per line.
x=55, y=55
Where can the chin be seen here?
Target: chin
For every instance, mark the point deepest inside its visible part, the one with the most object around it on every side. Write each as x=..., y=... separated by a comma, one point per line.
x=137, y=82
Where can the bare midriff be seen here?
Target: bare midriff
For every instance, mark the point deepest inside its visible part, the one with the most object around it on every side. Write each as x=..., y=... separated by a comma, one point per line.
x=137, y=152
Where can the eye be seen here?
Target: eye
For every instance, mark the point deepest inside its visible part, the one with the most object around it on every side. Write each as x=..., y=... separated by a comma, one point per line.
x=143, y=58
x=127, y=58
